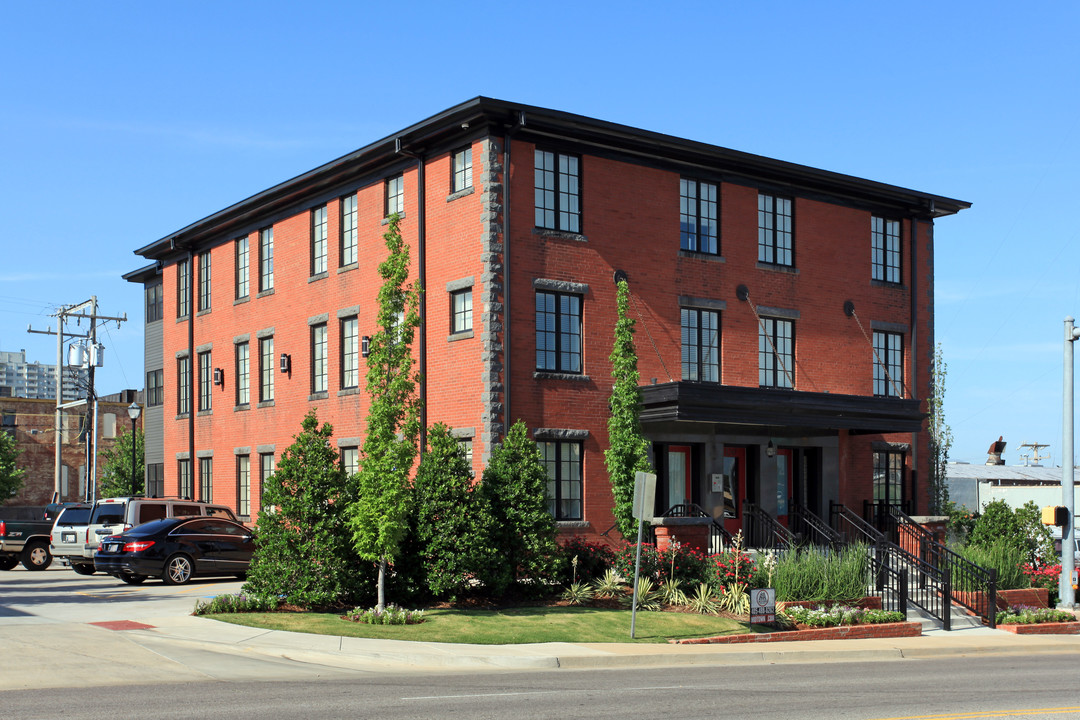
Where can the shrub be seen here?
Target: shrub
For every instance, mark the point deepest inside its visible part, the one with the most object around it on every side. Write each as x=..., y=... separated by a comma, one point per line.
x=1046, y=576
x=703, y=600
x=610, y=585
x=1021, y=528
x=625, y=558
x=647, y=596
x=837, y=615
x=1026, y=615
x=577, y=593
x=235, y=604
x=1004, y=556
x=824, y=575
x=593, y=559
x=390, y=615
x=730, y=566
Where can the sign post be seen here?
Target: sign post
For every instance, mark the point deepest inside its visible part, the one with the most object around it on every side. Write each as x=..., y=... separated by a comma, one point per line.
x=644, y=501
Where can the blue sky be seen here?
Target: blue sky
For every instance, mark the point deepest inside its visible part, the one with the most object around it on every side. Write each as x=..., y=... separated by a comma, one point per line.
x=124, y=121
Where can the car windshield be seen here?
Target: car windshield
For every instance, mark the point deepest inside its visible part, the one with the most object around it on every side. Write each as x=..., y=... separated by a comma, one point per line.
x=108, y=514
x=74, y=516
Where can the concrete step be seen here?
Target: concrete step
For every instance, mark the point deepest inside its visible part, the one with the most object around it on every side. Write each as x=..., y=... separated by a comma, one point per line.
x=958, y=619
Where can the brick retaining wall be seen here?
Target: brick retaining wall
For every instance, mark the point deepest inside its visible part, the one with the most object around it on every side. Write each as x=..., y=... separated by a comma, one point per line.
x=844, y=632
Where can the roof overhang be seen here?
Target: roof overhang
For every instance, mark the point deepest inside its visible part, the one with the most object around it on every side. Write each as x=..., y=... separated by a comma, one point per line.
x=799, y=413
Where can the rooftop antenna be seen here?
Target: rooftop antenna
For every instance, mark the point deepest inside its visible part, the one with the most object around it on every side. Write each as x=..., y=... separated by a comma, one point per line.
x=1036, y=457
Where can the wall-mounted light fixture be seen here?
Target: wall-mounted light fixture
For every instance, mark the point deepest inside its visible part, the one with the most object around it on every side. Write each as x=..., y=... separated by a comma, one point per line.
x=286, y=362
x=770, y=449
x=365, y=345
x=219, y=376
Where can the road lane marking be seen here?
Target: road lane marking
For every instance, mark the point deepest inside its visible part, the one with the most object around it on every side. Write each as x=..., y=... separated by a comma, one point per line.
x=986, y=714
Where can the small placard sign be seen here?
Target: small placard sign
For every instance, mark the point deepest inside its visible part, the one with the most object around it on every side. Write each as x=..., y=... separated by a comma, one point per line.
x=763, y=605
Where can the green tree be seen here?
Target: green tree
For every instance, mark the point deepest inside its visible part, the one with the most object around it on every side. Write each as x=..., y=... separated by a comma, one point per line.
x=380, y=514
x=941, y=437
x=627, y=451
x=115, y=476
x=519, y=529
x=1021, y=528
x=303, y=547
x=11, y=475
x=446, y=525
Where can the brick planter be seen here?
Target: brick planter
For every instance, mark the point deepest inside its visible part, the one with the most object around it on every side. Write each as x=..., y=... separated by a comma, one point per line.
x=844, y=632
x=1033, y=597
x=1061, y=628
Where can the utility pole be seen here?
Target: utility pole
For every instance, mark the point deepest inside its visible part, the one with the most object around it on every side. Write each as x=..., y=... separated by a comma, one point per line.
x=62, y=315
x=1066, y=594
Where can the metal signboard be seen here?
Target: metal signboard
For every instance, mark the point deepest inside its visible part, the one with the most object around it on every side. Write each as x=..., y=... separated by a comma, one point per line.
x=763, y=605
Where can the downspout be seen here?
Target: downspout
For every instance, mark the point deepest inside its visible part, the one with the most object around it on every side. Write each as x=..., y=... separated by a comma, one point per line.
x=193, y=387
x=507, y=354
x=914, y=358
x=421, y=261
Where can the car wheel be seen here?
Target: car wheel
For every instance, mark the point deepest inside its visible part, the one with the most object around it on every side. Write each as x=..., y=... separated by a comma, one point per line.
x=133, y=579
x=83, y=569
x=7, y=562
x=178, y=569
x=36, y=556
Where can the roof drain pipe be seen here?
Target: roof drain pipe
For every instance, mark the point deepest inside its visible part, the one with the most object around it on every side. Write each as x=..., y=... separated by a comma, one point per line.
x=192, y=374
x=421, y=262
x=507, y=137
x=914, y=355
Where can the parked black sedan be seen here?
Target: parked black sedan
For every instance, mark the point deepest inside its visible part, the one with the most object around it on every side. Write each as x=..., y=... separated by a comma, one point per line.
x=176, y=550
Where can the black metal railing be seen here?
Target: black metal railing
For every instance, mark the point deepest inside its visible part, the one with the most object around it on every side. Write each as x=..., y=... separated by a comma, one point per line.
x=719, y=537
x=809, y=528
x=761, y=530
x=850, y=527
x=876, y=511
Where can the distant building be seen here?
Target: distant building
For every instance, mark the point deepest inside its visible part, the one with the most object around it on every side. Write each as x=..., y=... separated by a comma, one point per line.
x=973, y=486
x=22, y=379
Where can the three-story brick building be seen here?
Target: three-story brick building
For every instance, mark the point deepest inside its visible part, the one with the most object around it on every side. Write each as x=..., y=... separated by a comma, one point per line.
x=784, y=314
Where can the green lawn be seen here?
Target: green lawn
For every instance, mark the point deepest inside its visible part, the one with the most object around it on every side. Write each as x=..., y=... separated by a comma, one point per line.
x=505, y=627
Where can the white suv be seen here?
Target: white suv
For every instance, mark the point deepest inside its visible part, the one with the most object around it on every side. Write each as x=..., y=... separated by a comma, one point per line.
x=112, y=516
x=69, y=537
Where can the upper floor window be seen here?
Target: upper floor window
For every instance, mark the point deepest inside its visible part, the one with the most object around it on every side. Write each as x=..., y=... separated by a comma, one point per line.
x=155, y=479
x=700, y=345
x=242, y=267
x=348, y=230
x=243, y=374
x=350, y=460
x=155, y=387
x=558, y=332
x=557, y=187
x=885, y=249
x=461, y=310
x=266, y=259
x=154, y=303
x=183, y=288
x=243, y=485
x=266, y=469
x=266, y=369
x=698, y=217
x=395, y=195
x=563, y=463
x=461, y=170
x=318, y=358
x=350, y=353
x=206, y=381
x=204, y=281
x=206, y=479
x=776, y=244
x=888, y=364
x=776, y=353
x=183, y=385
x=183, y=479
x=318, y=240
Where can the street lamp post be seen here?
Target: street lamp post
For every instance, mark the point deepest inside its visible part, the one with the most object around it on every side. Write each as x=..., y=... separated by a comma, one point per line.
x=1066, y=594
x=133, y=412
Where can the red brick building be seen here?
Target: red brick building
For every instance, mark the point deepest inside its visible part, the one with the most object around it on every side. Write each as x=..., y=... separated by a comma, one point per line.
x=784, y=314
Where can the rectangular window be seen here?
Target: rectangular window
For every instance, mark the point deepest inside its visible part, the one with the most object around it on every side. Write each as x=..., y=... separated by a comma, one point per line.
x=155, y=387
x=318, y=240
x=243, y=376
x=889, y=477
x=206, y=381
x=318, y=358
x=888, y=364
x=155, y=480
x=243, y=485
x=266, y=259
x=243, y=267
x=558, y=332
x=776, y=353
x=885, y=249
x=185, y=488
x=348, y=230
x=350, y=353
x=266, y=469
x=461, y=310
x=563, y=463
x=557, y=191
x=700, y=345
x=183, y=277
x=183, y=385
x=698, y=217
x=266, y=369
x=153, y=302
x=206, y=479
x=350, y=460
x=776, y=244
x=395, y=195
x=461, y=170
x=204, y=281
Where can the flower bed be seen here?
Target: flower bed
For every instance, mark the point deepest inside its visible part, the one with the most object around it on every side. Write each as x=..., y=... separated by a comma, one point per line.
x=1026, y=620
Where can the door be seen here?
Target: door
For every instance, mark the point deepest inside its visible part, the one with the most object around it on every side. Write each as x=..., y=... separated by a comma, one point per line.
x=783, y=484
x=734, y=488
x=679, y=488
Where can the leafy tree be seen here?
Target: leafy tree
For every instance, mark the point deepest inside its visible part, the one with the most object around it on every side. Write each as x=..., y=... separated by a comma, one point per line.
x=303, y=547
x=11, y=475
x=940, y=436
x=519, y=529
x=115, y=480
x=445, y=519
x=627, y=451
x=1021, y=529
x=379, y=517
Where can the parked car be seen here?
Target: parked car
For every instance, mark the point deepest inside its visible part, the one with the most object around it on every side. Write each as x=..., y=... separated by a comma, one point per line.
x=27, y=541
x=176, y=550
x=117, y=515
x=69, y=537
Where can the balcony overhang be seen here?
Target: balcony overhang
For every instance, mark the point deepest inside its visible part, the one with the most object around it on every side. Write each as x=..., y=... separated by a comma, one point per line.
x=799, y=413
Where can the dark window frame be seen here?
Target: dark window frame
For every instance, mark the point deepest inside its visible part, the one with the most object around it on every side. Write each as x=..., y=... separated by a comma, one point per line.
x=243, y=485
x=888, y=363
x=557, y=206
x=769, y=364
x=242, y=257
x=242, y=362
x=205, y=295
x=348, y=229
x=154, y=301
x=266, y=259
x=696, y=365
x=349, y=352
x=183, y=385
x=320, y=361
x=206, y=381
x=886, y=251
x=461, y=319
x=184, y=481
x=267, y=368
x=394, y=195
x=776, y=230
x=551, y=353
x=320, y=252
x=155, y=387
x=555, y=463
x=183, y=290
x=461, y=169
x=267, y=466
x=694, y=217
x=889, y=474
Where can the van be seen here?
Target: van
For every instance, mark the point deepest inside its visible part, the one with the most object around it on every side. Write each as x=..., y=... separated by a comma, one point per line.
x=112, y=516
